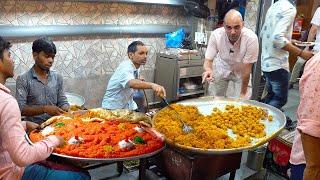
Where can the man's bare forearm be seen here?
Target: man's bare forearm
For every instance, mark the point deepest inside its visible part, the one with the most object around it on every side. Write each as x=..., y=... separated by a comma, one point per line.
x=306, y=55
x=245, y=78
x=207, y=65
x=138, y=84
x=245, y=82
x=32, y=110
x=312, y=33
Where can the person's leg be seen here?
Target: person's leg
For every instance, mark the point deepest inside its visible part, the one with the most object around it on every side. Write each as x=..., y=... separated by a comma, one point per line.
x=220, y=86
x=279, y=85
x=140, y=100
x=311, y=146
x=297, y=171
x=37, y=171
x=296, y=70
x=236, y=85
x=268, y=88
x=264, y=92
x=66, y=175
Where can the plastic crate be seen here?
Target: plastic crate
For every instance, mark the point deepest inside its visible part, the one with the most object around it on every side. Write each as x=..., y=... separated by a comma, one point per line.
x=277, y=156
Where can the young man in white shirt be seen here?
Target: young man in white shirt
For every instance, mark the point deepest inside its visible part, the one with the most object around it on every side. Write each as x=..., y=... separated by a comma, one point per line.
x=276, y=36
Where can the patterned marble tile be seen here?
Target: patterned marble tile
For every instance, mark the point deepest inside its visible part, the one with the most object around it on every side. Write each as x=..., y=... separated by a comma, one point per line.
x=31, y=13
x=87, y=57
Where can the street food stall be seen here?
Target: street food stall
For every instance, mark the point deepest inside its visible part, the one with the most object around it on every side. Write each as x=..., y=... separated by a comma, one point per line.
x=97, y=135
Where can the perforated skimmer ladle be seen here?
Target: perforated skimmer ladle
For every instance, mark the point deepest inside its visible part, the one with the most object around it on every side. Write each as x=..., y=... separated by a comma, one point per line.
x=185, y=127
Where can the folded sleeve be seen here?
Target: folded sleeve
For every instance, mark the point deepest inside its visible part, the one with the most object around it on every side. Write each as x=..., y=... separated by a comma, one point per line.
x=285, y=20
x=212, y=50
x=252, y=52
x=125, y=76
x=21, y=91
x=316, y=18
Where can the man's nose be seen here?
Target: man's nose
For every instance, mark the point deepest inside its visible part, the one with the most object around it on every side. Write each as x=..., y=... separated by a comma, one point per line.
x=50, y=60
x=233, y=31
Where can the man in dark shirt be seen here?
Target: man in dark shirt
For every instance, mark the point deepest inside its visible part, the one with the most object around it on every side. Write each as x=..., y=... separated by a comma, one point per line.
x=39, y=91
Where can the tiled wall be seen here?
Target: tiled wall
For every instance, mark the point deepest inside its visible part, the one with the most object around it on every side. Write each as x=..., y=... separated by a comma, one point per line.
x=87, y=62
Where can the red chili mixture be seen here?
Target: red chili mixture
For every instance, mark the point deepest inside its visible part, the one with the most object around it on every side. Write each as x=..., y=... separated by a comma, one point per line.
x=107, y=139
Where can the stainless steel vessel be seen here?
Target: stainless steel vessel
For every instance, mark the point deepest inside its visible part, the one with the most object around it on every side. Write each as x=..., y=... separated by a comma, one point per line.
x=205, y=106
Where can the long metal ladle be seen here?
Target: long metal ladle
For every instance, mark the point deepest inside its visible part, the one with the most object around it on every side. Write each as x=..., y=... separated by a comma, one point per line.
x=185, y=127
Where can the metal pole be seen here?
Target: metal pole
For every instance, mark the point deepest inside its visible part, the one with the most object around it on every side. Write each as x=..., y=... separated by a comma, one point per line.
x=257, y=74
x=13, y=32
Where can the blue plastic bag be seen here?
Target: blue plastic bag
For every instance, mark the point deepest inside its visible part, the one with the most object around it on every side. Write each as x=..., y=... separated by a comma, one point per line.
x=174, y=39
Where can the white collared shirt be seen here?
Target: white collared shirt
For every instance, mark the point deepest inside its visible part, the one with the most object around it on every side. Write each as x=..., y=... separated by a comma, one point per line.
x=118, y=94
x=276, y=33
x=230, y=58
x=316, y=21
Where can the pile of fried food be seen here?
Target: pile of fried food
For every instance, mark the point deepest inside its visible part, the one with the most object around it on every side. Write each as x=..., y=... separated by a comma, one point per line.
x=211, y=132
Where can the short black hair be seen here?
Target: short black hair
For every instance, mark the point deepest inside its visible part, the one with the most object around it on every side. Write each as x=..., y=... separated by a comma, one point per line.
x=4, y=45
x=44, y=44
x=132, y=48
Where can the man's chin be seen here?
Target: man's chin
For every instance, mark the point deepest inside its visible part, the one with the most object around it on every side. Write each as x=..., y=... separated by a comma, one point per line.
x=235, y=38
x=11, y=75
x=45, y=68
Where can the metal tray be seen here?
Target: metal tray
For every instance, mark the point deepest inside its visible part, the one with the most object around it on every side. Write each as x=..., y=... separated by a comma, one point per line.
x=101, y=160
x=207, y=103
x=105, y=160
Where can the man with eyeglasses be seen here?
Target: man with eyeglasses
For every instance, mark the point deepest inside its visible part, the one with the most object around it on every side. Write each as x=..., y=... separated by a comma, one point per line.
x=231, y=51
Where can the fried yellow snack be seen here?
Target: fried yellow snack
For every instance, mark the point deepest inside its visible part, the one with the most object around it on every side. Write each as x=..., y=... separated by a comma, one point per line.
x=210, y=132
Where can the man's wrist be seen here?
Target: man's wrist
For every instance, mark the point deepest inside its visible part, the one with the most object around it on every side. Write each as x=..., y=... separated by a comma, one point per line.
x=152, y=85
x=207, y=70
